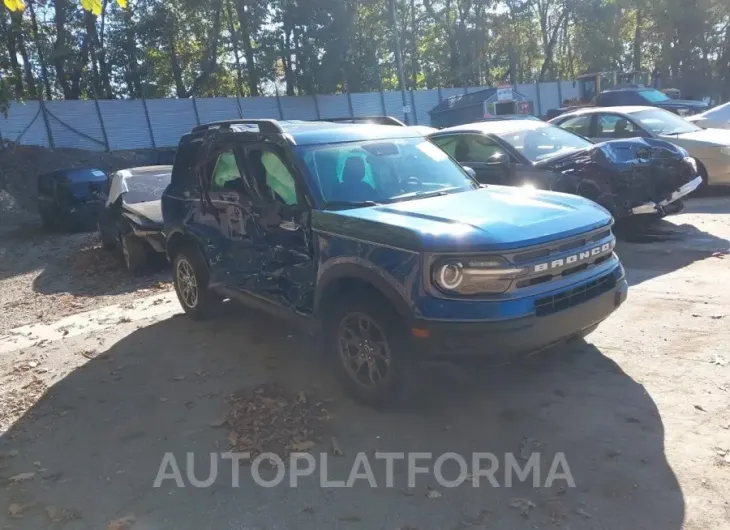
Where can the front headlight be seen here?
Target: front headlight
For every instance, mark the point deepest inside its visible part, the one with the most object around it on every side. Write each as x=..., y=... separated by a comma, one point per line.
x=474, y=276
x=725, y=150
x=692, y=162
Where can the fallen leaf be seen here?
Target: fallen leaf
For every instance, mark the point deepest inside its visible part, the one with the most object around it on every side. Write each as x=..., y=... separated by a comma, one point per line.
x=308, y=509
x=233, y=438
x=581, y=511
x=336, y=447
x=55, y=514
x=301, y=447
x=523, y=505
x=220, y=422
x=16, y=510
x=22, y=477
x=699, y=407
x=433, y=494
x=122, y=524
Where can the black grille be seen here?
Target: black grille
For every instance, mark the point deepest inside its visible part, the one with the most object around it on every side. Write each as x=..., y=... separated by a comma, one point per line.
x=563, y=246
x=557, y=302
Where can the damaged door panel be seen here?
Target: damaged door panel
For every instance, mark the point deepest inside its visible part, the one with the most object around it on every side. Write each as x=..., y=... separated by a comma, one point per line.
x=279, y=224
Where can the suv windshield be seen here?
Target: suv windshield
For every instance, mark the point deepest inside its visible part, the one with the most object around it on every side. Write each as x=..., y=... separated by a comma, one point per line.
x=389, y=170
x=540, y=141
x=652, y=95
x=660, y=121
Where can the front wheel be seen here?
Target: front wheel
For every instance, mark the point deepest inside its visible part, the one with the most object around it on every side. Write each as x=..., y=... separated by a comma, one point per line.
x=135, y=253
x=367, y=341
x=190, y=275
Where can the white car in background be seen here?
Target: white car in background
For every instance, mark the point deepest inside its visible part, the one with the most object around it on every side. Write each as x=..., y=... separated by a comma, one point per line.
x=715, y=118
x=709, y=147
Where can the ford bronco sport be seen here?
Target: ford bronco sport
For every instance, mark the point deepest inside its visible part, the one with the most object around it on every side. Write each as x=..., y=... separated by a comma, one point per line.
x=374, y=237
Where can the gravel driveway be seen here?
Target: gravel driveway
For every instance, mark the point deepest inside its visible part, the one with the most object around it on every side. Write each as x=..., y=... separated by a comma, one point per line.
x=93, y=397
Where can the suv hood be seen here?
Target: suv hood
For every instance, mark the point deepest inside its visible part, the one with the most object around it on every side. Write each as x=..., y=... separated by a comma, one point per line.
x=493, y=218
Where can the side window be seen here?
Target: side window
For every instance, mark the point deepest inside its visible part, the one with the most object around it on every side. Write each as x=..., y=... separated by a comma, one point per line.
x=273, y=178
x=578, y=125
x=471, y=148
x=615, y=126
x=226, y=174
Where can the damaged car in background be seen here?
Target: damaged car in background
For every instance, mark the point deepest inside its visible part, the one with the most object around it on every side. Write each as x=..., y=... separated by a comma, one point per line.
x=131, y=219
x=637, y=179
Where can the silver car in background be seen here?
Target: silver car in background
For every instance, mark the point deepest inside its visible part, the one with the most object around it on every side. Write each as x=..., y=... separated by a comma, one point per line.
x=715, y=118
x=710, y=147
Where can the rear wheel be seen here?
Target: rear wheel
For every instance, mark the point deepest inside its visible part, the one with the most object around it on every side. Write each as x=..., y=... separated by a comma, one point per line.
x=107, y=241
x=190, y=275
x=367, y=341
x=135, y=253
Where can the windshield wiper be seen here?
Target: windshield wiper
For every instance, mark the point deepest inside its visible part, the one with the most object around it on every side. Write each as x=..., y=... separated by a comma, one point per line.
x=352, y=204
x=423, y=194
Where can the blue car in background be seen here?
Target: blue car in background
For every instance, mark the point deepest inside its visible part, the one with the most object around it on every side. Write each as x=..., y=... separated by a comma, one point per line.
x=379, y=241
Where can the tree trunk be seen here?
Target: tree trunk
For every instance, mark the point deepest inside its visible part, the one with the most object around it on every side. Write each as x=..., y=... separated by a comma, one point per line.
x=90, y=23
x=209, y=62
x=133, y=81
x=414, y=47
x=60, y=51
x=244, y=23
x=234, y=45
x=41, y=55
x=104, y=67
x=638, y=39
x=11, y=42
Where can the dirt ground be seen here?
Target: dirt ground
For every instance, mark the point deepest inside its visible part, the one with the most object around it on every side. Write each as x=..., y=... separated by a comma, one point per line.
x=99, y=380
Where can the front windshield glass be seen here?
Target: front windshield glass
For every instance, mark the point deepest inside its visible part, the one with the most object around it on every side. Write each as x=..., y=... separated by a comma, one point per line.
x=146, y=188
x=653, y=95
x=660, y=121
x=381, y=171
x=541, y=141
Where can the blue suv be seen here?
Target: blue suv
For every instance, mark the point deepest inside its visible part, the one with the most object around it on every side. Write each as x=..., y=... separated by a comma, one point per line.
x=375, y=239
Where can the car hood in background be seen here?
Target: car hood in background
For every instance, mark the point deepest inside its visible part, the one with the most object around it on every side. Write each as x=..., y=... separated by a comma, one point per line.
x=708, y=137
x=147, y=215
x=492, y=218
x=677, y=104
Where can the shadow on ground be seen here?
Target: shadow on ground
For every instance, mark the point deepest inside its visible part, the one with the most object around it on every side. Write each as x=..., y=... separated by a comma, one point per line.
x=97, y=438
x=668, y=247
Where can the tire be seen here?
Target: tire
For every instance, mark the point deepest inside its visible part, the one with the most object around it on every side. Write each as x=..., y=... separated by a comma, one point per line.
x=191, y=277
x=135, y=253
x=383, y=331
x=107, y=243
x=47, y=222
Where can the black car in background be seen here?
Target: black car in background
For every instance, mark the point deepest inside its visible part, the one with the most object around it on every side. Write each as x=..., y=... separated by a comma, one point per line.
x=652, y=97
x=131, y=219
x=71, y=198
x=639, y=178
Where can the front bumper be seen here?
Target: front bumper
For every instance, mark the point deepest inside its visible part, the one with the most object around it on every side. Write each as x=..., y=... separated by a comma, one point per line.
x=654, y=208
x=503, y=340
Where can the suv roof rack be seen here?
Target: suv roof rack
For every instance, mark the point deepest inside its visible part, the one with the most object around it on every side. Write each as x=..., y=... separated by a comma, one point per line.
x=265, y=126
x=380, y=120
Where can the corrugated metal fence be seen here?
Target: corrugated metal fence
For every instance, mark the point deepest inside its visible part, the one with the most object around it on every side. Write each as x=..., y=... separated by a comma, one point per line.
x=115, y=125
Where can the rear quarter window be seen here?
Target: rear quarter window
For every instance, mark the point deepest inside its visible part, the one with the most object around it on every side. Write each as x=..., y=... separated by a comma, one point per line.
x=188, y=153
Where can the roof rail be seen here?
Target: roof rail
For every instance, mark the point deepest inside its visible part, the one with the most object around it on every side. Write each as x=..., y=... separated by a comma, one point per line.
x=265, y=126
x=379, y=120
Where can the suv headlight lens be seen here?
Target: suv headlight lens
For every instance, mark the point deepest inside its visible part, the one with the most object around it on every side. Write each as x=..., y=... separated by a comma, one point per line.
x=725, y=150
x=692, y=162
x=470, y=276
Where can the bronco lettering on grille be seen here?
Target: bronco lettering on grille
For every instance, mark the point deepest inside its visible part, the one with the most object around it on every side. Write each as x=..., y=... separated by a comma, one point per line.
x=574, y=259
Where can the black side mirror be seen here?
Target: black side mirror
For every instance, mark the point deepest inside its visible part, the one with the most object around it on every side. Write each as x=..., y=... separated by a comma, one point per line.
x=470, y=171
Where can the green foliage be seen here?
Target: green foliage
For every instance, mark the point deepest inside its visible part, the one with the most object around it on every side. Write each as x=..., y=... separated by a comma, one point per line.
x=179, y=48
